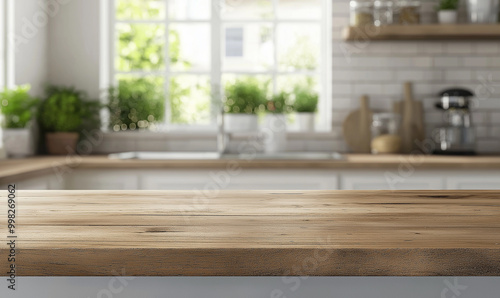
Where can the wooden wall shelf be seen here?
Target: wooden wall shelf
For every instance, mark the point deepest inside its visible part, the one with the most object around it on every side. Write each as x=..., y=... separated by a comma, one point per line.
x=423, y=32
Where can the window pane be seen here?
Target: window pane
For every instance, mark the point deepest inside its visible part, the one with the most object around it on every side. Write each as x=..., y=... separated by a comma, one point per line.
x=190, y=47
x=288, y=83
x=137, y=103
x=140, y=47
x=190, y=99
x=140, y=9
x=248, y=47
x=298, y=47
x=299, y=9
x=246, y=9
x=189, y=9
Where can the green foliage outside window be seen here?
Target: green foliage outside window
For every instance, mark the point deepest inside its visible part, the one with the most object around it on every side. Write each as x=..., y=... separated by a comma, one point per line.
x=136, y=103
x=245, y=96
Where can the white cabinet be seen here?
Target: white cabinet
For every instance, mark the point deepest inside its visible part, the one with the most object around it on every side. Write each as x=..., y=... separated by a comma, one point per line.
x=244, y=179
x=265, y=179
x=103, y=180
x=474, y=180
x=46, y=182
x=391, y=180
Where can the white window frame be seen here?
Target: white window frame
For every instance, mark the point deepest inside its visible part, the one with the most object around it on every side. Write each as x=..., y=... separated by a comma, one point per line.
x=7, y=44
x=109, y=72
x=6, y=51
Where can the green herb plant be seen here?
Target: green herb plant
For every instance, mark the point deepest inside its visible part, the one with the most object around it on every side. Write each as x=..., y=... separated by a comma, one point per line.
x=448, y=4
x=65, y=110
x=279, y=104
x=136, y=104
x=306, y=100
x=18, y=107
x=245, y=96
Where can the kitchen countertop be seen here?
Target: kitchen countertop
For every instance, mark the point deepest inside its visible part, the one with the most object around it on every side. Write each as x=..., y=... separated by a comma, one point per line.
x=257, y=233
x=26, y=168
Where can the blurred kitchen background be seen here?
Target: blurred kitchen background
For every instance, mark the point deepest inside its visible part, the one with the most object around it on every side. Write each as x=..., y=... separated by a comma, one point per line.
x=159, y=72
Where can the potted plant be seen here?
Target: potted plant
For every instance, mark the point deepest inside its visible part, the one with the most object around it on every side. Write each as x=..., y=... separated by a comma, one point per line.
x=242, y=100
x=447, y=11
x=18, y=108
x=275, y=123
x=306, y=104
x=135, y=104
x=61, y=119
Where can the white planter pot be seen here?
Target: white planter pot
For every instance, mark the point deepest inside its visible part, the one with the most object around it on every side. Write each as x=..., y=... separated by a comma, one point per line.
x=306, y=121
x=240, y=123
x=19, y=143
x=274, y=133
x=448, y=16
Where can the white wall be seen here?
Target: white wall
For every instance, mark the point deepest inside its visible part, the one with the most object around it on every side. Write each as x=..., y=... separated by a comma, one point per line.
x=31, y=44
x=73, y=40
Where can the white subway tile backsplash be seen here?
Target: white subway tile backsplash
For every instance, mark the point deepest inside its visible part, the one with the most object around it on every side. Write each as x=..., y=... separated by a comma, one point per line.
x=341, y=103
x=434, y=118
x=392, y=89
x=458, y=75
x=475, y=62
x=443, y=61
x=495, y=118
x=488, y=146
x=482, y=132
x=368, y=89
x=431, y=47
x=495, y=132
x=419, y=75
x=405, y=48
x=422, y=62
x=491, y=47
x=341, y=89
x=459, y=47
x=480, y=118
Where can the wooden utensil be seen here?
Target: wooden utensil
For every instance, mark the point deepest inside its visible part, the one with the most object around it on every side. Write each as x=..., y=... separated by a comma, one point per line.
x=412, y=126
x=356, y=128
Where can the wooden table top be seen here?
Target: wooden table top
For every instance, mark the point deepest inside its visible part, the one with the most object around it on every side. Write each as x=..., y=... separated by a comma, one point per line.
x=256, y=233
x=12, y=170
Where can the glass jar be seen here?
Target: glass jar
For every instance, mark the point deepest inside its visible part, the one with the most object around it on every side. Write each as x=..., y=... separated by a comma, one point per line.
x=361, y=13
x=383, y=12
x=408, y=12
x=483, y=11
x=385, y=133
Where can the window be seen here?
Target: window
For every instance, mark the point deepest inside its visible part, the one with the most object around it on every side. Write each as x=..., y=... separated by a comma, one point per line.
x=183, y=52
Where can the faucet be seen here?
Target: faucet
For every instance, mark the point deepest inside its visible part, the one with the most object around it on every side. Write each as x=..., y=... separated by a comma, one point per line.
x=222, y=136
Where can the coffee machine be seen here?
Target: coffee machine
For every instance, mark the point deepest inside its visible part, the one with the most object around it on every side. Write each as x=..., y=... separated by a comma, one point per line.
x=457, y=135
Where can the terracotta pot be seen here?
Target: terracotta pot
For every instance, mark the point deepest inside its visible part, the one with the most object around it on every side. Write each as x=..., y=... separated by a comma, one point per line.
x=61, y=143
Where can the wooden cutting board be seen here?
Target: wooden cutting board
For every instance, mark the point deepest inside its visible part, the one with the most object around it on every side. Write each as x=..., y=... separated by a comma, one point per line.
x=412, y=129
x=356, y=128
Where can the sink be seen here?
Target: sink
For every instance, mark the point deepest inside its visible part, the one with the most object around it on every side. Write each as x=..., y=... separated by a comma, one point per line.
x=290, y=156
x=167, y=155
x=216, y=156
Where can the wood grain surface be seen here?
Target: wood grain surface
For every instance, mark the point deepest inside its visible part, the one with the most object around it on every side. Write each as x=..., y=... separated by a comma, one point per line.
x=257, y=233
x=16, y=170
x=424, y=32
